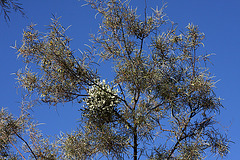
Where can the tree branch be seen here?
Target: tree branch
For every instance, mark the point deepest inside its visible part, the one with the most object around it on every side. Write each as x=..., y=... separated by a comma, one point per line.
x=26, y=144
x=17, y=149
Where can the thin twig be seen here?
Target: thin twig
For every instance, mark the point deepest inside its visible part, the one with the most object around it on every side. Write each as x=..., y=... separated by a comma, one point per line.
x=17, y=150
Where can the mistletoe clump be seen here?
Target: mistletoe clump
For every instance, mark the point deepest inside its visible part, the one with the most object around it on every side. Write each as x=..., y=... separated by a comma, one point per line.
x=101, y=103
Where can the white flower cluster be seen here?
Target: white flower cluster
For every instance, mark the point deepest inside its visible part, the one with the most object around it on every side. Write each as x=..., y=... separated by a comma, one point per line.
x=101, y=103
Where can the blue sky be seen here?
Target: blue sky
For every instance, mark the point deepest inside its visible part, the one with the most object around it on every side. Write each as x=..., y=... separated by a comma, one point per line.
x=218, y=19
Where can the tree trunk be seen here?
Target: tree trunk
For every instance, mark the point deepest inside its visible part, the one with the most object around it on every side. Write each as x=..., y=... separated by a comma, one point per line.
x=135, y=145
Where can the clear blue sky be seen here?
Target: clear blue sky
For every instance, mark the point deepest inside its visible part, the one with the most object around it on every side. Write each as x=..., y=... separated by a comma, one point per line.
x=218, y=19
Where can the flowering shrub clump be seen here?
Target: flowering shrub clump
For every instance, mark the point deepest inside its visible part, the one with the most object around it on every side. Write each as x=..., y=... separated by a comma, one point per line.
x=101, y=103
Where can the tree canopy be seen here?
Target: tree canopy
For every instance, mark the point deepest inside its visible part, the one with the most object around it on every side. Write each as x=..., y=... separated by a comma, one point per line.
x=160, y=104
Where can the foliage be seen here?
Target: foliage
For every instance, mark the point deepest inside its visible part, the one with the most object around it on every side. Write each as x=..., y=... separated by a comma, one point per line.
x=8, y=127
x=8, y=5
x=160, y=104
x=15, y=130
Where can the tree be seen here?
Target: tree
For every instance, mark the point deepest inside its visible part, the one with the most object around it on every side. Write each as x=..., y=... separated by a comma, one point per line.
x=8, y=5
x=160, y=104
